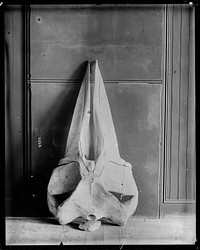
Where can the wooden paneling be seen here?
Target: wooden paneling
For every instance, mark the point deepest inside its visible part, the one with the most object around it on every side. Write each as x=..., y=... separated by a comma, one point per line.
x=136, y=115
x=127, y=41
x=14, y=110
x=180, y=107
x=191, y=121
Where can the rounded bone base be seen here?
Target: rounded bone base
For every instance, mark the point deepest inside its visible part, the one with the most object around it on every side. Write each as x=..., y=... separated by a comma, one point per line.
x=90, y=225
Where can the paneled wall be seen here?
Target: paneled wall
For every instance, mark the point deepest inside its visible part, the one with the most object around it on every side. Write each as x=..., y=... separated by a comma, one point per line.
x=146, y=57
x=127, y=41
x=179, y=176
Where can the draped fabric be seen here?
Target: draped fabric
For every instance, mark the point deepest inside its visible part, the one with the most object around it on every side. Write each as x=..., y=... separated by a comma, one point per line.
x=99, y=183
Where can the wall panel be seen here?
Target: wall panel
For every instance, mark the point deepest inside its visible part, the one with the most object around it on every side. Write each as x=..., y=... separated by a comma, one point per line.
x=180, y=120
x=127, y=41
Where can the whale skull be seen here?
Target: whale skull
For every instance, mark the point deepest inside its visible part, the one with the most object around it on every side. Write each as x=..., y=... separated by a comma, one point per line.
x=94, y=180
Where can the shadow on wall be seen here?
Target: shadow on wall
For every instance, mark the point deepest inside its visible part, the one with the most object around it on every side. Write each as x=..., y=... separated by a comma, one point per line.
x=52, y=110
x=13, y=139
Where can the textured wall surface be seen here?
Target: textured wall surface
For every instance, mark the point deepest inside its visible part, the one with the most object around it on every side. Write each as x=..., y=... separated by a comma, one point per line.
x=127, y=41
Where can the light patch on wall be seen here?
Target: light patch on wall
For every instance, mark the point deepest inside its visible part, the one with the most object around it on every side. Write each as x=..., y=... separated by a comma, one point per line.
x=151, y=166
x=154, y=112
x=145, y=64
x=151, y=169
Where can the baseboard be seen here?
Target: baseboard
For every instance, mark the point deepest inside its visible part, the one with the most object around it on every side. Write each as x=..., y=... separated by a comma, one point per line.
x=177, y=210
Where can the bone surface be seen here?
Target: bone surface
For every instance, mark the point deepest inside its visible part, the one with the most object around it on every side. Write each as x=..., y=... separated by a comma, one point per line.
x=92, y=181
x=90, y=225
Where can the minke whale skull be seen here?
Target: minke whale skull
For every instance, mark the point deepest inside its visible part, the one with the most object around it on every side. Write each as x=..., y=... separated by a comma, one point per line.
x=92, y=181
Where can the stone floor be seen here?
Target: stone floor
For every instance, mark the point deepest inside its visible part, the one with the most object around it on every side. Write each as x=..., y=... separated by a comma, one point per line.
x=38, y=231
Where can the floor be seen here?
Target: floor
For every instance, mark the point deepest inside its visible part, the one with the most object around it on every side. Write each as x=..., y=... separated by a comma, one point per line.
x=37, y=231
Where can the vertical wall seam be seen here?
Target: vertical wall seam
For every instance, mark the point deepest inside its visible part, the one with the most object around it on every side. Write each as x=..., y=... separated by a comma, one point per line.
x=179, y=105
x=161, y=181
x=166, y=178
x=171, y=97
x=187, y=123
x=165, y=191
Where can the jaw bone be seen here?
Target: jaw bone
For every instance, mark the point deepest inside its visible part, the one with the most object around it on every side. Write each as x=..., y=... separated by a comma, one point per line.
x=96, y=182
